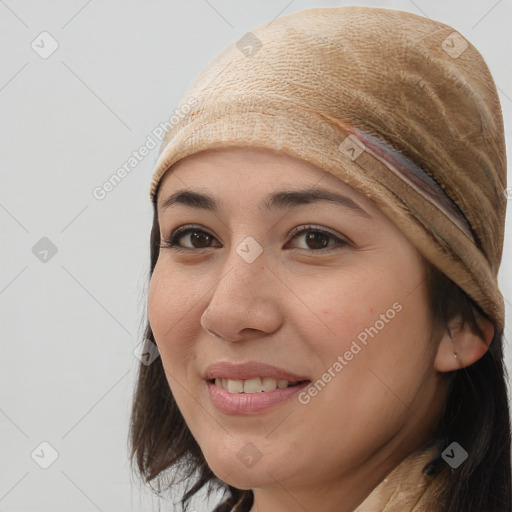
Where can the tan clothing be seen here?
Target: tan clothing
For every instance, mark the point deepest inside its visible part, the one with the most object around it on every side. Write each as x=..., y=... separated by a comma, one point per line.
x=405, y=489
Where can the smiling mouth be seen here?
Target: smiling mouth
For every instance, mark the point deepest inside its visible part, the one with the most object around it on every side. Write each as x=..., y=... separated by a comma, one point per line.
x=254, y=385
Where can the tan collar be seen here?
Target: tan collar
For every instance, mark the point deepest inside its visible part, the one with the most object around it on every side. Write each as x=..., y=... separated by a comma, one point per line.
x=405, y=489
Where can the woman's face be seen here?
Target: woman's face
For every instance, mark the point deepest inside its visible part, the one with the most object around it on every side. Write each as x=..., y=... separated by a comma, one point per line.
x=325, y=291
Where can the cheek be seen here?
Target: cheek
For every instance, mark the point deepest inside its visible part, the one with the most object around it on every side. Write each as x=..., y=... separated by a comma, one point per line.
x=378, y=324
x=171, y=298
x=172, y=304
x=342, y=309
x=161, y=305
x=361, y=398
x=173, y=319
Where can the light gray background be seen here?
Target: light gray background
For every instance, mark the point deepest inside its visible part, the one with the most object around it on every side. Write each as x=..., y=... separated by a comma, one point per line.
x=70, y=324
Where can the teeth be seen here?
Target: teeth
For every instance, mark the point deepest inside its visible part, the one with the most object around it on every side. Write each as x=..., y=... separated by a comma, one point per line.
x=255, y=385
x=235, y=386
x=252, y=385
x=269, y=384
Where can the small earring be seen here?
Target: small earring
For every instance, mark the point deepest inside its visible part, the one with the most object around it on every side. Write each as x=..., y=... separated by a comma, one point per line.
x=455, y=355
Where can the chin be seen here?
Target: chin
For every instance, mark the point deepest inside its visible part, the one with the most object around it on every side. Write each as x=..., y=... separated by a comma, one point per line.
x=234, y=472
x=246, y=479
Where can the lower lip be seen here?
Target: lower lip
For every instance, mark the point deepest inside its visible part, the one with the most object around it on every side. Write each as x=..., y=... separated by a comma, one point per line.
x=250, y=403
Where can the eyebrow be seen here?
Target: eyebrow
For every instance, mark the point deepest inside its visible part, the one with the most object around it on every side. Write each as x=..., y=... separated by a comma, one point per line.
x=276, y=201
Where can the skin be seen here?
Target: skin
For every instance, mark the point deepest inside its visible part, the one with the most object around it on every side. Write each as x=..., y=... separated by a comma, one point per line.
x=299, y=307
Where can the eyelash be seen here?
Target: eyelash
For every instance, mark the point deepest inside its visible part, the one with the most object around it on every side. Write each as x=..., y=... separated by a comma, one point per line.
x=172, y=241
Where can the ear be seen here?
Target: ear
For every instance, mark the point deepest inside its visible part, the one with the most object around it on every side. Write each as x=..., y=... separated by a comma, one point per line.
x=459, y=347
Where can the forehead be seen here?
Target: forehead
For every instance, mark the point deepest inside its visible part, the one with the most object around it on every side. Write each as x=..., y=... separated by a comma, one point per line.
x=252, y=170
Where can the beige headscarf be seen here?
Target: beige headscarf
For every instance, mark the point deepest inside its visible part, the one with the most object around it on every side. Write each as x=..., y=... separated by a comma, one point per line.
x=400, y=107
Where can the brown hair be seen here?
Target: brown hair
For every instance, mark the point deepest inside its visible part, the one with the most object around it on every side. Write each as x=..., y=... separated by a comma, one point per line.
x=476, y=415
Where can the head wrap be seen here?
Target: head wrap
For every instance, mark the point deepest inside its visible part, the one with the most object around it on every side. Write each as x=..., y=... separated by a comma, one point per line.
x=400, y=107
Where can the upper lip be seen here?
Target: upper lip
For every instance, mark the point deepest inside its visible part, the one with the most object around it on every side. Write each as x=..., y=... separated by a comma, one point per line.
x=249, y=370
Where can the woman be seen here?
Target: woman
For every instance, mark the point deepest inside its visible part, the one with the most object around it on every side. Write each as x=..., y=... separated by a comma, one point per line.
x=328, y=228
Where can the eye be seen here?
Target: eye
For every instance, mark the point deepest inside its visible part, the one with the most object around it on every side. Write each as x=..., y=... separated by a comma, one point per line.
x=315, y=239
x=198, y=238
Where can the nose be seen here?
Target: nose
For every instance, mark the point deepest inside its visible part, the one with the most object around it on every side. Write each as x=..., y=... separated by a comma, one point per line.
x=244, y=302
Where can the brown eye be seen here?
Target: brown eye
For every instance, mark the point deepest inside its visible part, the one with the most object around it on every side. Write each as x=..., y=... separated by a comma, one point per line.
x=195, y=238
x=200, y=239
x=317, y=239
